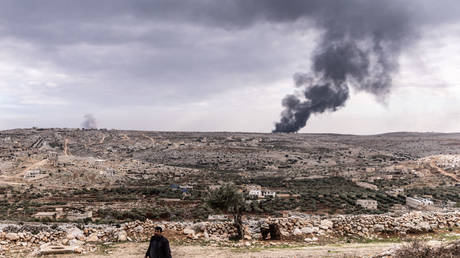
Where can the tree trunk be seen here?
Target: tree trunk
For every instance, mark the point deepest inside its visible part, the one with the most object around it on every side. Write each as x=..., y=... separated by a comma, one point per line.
x=238, y=222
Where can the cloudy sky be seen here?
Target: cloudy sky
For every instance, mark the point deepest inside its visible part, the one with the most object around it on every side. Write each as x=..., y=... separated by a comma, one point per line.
x=206, y=65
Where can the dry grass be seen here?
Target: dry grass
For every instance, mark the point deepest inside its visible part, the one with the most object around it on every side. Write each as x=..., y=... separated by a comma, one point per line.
x=419, y=249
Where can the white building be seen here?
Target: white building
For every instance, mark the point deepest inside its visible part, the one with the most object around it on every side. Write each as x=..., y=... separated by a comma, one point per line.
x=268, y=193
x=418, y=203
x=255, y=193
x=214, y=187
x=395, y=192
x=218, y=217
x=32, y=174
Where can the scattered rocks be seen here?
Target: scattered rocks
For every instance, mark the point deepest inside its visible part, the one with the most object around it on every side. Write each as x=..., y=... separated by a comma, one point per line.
x=74, y=233
x=310, y=229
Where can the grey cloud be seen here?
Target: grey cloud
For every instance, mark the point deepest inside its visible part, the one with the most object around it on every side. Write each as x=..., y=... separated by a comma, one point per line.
x=89, y=122
x=166, y=51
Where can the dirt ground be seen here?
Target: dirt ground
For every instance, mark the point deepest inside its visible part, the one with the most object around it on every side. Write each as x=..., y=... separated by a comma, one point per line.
x=131, y=250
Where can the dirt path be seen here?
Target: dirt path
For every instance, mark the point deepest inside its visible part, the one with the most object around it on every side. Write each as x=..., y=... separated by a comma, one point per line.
x=7, y=181
x=443, y=172
x=131, y=250
x=150, y=138
x=33, y=166
x=66, y=151
x=18, y=178
x=102, y=140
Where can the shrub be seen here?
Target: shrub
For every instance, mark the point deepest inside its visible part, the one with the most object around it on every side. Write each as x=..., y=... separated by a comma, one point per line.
x=418, y=249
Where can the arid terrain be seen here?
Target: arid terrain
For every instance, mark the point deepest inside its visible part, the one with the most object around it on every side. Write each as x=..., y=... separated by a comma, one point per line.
x=110, y=177
x=132, y=250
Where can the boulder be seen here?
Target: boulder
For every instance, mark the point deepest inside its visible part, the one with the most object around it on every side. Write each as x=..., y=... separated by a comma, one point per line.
x=122, y=236
x=199, y=227
x=326, y=224
x=12, y=236
x=75, y=242
x=138, y=229
x=378, y=227
x=92, y=238
x=189, y=231
x=247, y=237
x=74, y=233
x=310, y=230
x=424, y=226
x=297, y=232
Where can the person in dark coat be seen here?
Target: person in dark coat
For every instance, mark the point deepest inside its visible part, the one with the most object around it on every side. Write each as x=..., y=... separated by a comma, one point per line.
x=159, y=245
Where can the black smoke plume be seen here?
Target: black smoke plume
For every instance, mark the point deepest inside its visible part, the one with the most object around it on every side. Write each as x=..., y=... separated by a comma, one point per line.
x=89, y=122
x=359, y=47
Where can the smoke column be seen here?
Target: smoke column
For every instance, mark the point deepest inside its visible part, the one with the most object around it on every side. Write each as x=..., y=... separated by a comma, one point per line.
x=359, y=47
x=89, y=122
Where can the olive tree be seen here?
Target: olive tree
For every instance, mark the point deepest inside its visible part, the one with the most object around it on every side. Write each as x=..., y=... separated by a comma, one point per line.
x=228, y=199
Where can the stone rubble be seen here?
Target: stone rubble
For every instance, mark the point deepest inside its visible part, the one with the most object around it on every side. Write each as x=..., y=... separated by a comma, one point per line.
x=83, y=238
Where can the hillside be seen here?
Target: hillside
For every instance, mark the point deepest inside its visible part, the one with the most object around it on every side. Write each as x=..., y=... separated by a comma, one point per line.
x=123, y=175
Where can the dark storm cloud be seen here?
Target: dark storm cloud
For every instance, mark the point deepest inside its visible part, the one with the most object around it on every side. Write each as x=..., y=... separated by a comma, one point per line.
x=56, y=22
x=136, y=52
x=149, y=51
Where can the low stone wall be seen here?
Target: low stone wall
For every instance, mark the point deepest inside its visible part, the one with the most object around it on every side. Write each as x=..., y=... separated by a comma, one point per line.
x=311, y=228
x=369, y=225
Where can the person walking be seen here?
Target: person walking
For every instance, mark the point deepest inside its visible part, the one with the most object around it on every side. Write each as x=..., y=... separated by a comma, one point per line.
x=159, y=245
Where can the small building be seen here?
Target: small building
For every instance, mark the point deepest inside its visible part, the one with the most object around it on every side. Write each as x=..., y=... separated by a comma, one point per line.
x=253, y=187
x=186, y=188
x=99, y=163
x=52, y=158
x=451, y=204
x=268, y=193
x=395, y=192
x=31, y=174
x=255, y=193
x=367, y=185
x=45, y=214
x=218, y=217
x=60, y=212
x=78, y=215
x=418, y=203
x=214, y=187
x=367, y=204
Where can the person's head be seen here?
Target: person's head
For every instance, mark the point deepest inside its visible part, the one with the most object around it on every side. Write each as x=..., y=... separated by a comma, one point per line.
x=158, y=231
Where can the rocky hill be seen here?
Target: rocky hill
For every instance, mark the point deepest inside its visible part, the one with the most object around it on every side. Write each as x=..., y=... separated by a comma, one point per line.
x=61, y=174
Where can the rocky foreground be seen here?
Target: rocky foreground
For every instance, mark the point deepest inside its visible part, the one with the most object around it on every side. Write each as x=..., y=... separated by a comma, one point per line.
x=39, y=239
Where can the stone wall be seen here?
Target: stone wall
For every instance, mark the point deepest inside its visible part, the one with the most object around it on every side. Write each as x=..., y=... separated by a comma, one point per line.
x=311, y=228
